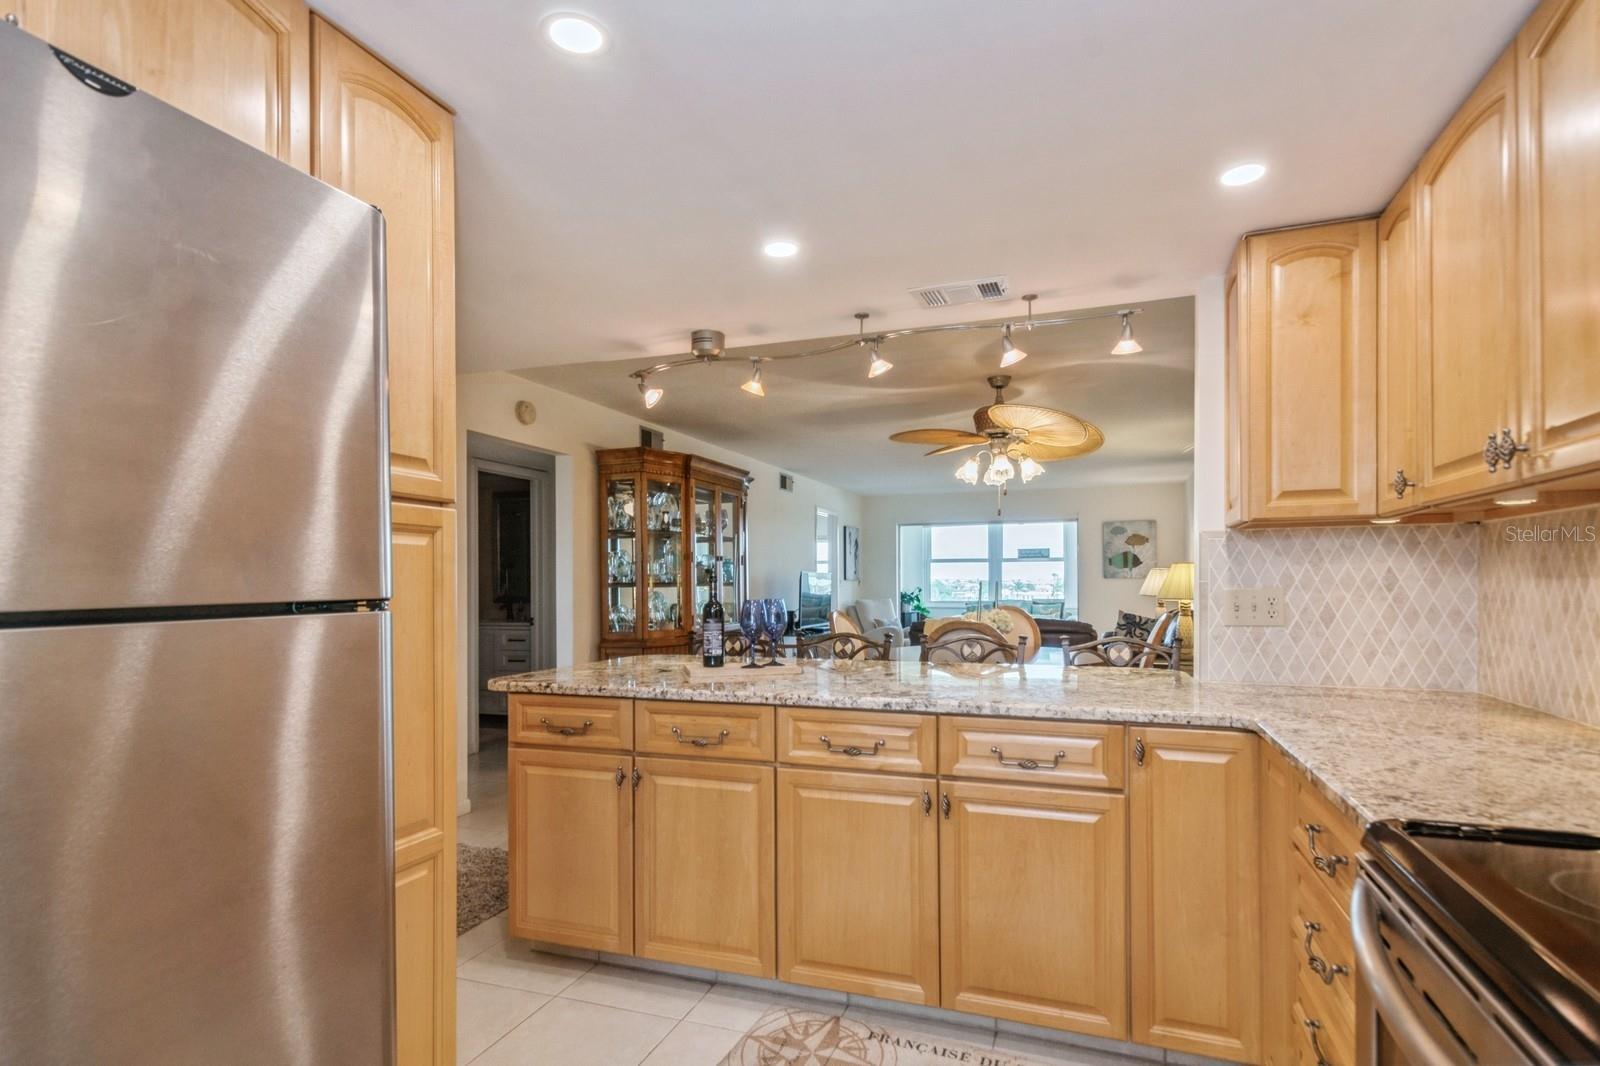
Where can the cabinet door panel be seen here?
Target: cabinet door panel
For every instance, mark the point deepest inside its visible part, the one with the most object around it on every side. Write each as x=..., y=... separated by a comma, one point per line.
x=383, y=140
x=424, y=948
x=705, y=865
x=1466, y=303
x=1559, y=93
x=1234, y=386
x=572, y=847
x=1033, y=906
x=1310, y=356
x=1397, y=353
x=858, y=884
x=244, y=66
x=1195, y=894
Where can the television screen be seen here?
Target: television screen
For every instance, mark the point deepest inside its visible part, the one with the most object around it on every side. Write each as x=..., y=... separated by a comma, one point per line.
x=816, y=601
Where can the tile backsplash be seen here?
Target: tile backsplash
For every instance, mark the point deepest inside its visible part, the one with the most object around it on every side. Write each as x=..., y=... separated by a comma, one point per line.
x=1370, y=606
x=1539, y=612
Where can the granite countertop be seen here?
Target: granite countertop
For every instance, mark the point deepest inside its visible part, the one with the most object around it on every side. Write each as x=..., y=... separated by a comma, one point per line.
x=1377, y=753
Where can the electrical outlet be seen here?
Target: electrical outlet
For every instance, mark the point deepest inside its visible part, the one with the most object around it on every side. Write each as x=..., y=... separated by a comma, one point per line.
x=1272, y=610
x=1253, y=607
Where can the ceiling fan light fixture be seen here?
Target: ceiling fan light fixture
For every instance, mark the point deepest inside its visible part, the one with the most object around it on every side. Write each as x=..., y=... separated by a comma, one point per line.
x=652, y=394
x=1031, y=468
x=754, y=386
x=879, y=364
x=1010, y=354
x=1126, y=345
x=1001, y=469
x=968, y=471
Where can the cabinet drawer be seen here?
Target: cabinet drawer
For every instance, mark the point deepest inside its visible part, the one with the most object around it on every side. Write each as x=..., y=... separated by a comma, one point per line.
x=1326, y=841
x=1325, y=1042
x=1085, y=755
x=591, y=722
x=860, y=740
x=704, y=730
x=512, y=640
x=511, y=661
x=1321, y=931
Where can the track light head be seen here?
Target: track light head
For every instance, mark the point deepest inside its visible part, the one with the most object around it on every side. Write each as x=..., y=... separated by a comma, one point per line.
x=1126, y=345
x=754, y=386
x=1010, y=354
x=652, y=394
x=879, y=364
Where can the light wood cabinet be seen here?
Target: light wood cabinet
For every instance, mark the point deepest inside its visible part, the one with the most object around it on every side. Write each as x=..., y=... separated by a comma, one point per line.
x=1468, y=366
x=1558, y=96
x=244, y=66
x=1033, y=906
x=571, y=847
x=1234, y=428
x=1303, y=367
x=423, y=619
x=1397, y=354
x=1194, y=871
x=1278, y=1042
x=858, y=884
x=380, y=138
x=704, y=865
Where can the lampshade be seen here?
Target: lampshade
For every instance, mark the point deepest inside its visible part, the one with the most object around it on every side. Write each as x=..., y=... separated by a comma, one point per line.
x=1179, y=584
x=1153, y=581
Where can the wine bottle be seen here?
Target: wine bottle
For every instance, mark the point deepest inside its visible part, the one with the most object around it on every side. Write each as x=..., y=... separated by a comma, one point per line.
x=711, y=619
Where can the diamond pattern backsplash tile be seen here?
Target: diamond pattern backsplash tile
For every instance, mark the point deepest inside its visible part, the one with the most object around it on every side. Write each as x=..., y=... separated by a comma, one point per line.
x=1368, y=607
x=1539, y=610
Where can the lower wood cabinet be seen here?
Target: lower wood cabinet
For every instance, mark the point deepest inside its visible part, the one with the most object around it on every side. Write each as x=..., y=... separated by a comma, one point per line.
x=1033, y=906
x=858, y=883
x=571, y=837
x=1194, y=865
x=704, y=865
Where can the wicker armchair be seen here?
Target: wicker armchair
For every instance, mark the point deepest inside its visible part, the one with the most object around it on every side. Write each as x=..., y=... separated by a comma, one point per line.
x=962, y=640
x=843, y=646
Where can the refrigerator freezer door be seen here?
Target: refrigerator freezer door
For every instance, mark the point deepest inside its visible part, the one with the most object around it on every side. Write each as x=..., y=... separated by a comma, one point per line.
x=195, y=858
x=192, y=406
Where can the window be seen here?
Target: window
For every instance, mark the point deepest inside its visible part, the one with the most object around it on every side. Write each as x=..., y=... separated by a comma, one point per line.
x=1010, y=562
x=824, y=555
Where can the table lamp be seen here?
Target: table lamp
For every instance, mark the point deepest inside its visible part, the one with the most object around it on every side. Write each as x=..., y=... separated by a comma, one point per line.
x=1153, y=582
x=1179, y=587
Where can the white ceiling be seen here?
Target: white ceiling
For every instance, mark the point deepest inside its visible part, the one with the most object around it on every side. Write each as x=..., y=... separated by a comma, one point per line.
x=823, y=418
x=609, y=204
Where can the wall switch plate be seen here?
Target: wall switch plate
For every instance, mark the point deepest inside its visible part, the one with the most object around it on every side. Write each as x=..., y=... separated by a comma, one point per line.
x=1253, y=607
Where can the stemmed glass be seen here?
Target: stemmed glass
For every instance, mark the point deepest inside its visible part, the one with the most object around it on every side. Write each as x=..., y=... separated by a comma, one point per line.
x=750, y=624
x=775, y=619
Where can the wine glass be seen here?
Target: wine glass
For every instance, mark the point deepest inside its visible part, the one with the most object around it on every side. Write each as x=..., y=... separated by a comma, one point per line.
x=775, y=615
x=749, y=625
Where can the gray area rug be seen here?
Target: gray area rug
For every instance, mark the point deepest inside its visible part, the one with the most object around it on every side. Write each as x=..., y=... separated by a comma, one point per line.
x=480, y=885
x=815, y=1038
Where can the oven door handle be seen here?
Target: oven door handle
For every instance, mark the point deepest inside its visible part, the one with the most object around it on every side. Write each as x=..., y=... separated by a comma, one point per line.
x=1372, y=967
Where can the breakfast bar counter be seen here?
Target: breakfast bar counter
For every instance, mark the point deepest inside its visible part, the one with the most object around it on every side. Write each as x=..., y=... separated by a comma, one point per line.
x=1377, y=753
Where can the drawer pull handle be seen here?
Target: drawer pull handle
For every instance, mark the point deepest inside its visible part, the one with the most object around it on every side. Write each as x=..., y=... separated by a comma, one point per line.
x=1313, y=1027
x=565, y=730
x=509, y=659
x=1138, y=751
x=944, y=806
x=701, y=742
x=1028, y=764
x=851, y=749
x=1328, y=864
x=516, y=640
x=621, y=777
x=1319, y=965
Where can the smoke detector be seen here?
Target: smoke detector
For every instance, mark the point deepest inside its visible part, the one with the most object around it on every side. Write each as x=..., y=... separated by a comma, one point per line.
x=962, y=292
x=707, y=343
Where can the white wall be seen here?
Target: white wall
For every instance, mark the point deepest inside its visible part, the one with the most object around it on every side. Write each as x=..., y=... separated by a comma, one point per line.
x=1099, y=598
x=781, y=524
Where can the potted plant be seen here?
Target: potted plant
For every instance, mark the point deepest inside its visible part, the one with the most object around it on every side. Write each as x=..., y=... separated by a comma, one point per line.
x=912, y=607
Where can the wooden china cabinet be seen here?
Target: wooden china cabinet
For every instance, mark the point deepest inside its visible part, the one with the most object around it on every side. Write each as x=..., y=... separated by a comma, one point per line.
x=664, y=518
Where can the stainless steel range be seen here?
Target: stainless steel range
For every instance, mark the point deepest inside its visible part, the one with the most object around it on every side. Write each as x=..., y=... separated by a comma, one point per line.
x=1477, y=944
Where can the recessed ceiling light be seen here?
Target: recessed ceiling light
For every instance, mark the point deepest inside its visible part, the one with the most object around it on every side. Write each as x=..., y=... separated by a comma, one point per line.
x=575, y=33
x=780, y=249
x=1243, y=174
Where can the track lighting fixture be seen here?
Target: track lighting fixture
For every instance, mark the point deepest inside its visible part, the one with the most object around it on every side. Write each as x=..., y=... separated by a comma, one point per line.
x=754, y=386
x=879, y=364
x=1010, y=354
x=1127, y=345
x=652, y=394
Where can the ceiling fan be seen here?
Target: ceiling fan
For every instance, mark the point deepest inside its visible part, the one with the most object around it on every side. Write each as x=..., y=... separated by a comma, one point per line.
x=1017, y=438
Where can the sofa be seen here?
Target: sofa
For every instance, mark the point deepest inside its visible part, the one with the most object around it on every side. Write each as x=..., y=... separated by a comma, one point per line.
x=877, y=619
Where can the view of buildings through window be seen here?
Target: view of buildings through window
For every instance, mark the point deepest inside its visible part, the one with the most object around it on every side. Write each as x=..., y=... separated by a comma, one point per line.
x=1015, y=562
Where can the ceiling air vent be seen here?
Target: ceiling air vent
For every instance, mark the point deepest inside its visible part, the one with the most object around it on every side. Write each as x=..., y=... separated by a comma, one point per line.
x=961, y=292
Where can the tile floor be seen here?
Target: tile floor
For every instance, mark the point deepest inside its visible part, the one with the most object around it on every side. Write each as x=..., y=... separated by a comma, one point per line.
x=485, y=825
x=516, y=1006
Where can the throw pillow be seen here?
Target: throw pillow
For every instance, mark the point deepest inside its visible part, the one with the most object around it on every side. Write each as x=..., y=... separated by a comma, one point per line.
x=1132, y=625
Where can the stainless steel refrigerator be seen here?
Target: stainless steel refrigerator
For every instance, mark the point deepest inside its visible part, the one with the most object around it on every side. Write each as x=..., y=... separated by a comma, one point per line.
x=195, y=822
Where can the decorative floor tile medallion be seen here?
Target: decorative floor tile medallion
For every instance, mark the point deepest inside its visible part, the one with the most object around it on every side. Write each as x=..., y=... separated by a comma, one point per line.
x=784, y=1037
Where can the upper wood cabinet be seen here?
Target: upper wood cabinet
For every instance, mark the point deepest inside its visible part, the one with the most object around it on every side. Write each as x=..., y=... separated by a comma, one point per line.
x=1467, y=303
x=858, y=884
x=704, y=865
x=1033, y=906
x=380, y=138
x=1397, y=353
x=244, y=66
x=1558, y=96
x=1302, y=364
x=1194, y=868
x=1233, y=423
